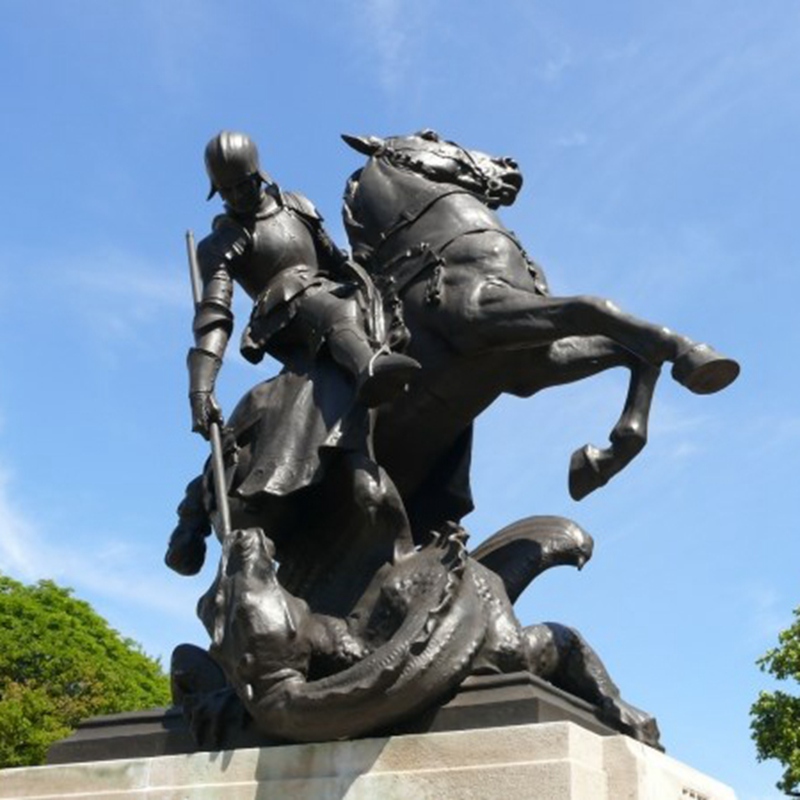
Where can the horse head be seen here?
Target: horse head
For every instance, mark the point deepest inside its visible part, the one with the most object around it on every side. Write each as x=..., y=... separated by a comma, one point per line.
x=496, y=180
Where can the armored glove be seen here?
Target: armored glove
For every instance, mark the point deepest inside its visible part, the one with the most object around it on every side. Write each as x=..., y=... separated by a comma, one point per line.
x=203, y=369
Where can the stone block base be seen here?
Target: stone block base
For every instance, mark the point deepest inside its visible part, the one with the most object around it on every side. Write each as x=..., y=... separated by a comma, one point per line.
x=546, y=761
x=482, y=701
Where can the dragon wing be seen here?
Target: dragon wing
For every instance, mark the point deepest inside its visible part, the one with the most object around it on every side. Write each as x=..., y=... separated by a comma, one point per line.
x=523, y=550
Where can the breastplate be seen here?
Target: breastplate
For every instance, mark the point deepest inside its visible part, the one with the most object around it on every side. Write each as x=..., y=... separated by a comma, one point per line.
x=279, y=242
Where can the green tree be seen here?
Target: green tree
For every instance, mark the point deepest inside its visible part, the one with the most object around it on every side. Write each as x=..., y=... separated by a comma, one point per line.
x=60, y=662
x=775, y=715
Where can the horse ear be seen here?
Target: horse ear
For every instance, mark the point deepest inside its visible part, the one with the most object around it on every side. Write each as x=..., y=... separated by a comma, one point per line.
x=368, y=145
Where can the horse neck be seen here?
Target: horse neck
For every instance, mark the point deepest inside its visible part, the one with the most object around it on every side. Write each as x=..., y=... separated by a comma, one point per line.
x=388, y=197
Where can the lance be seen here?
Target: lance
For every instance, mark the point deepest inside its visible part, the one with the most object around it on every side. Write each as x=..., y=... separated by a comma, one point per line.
x=214, y=433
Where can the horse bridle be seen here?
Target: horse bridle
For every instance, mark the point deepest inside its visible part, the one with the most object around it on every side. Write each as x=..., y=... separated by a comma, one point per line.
x=397, y=157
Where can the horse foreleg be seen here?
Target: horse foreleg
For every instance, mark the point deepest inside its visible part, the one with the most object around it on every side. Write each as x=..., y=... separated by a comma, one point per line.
x=503, y=316
x=575, y=358
x=562, y=656
x=590, y=467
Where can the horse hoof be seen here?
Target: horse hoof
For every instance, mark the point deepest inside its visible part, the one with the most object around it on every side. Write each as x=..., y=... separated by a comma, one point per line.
x=702, y=370
x=584, y=473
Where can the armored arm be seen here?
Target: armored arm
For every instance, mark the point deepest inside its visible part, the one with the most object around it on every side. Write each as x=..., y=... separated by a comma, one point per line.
x=330, y=253
x=213, y=321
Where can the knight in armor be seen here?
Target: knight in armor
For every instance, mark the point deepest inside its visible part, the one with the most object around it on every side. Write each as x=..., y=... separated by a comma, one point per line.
x=304, y=289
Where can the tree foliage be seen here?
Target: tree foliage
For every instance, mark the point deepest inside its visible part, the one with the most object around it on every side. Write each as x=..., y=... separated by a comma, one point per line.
x=775, y=715
x=60, y=662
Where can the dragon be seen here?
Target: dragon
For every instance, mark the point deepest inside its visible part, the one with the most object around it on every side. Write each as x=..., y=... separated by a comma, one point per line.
x=428, y=619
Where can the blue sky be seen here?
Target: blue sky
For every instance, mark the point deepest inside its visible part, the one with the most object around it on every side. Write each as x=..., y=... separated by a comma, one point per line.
x=659, y=147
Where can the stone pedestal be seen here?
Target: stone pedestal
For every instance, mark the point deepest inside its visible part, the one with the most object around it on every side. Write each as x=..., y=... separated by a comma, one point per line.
x=482, y=701
x=545, y=761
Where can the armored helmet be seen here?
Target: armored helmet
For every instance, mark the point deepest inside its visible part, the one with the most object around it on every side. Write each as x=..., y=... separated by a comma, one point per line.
x=231, y=158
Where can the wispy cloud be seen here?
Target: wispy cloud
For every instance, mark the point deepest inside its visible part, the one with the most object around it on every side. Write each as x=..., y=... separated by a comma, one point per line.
x=120, y=295
x=626, y=52
x=119, y=275
x=574, y=139
x=392, y=31
x=110, y=567
x=384, y=18
x=767, y=614
x=181, y=30
x=674, y=421
x=555, y=65
x=17, y=555
x=775, y=432
x=739, y=66
x=745, y=66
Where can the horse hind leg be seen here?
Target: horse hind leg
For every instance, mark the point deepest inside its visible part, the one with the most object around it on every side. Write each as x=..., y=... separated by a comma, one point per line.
x=591, y=467
x=560, y=655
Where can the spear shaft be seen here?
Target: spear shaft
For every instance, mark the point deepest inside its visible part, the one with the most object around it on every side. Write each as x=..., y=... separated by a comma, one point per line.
x=214, y=433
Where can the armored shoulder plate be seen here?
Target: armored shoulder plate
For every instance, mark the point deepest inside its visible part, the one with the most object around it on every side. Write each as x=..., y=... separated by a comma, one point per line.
x=225, y=225
x=227, y=241
x=302, y=205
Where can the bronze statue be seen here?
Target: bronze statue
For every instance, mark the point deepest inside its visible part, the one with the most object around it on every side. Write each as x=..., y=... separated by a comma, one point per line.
x=346, y=600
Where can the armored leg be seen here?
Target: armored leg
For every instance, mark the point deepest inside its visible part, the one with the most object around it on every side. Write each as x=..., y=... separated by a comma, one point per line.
x=380, y=375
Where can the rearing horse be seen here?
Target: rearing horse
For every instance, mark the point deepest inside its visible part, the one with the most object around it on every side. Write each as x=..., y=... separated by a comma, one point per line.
x=420, y=217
